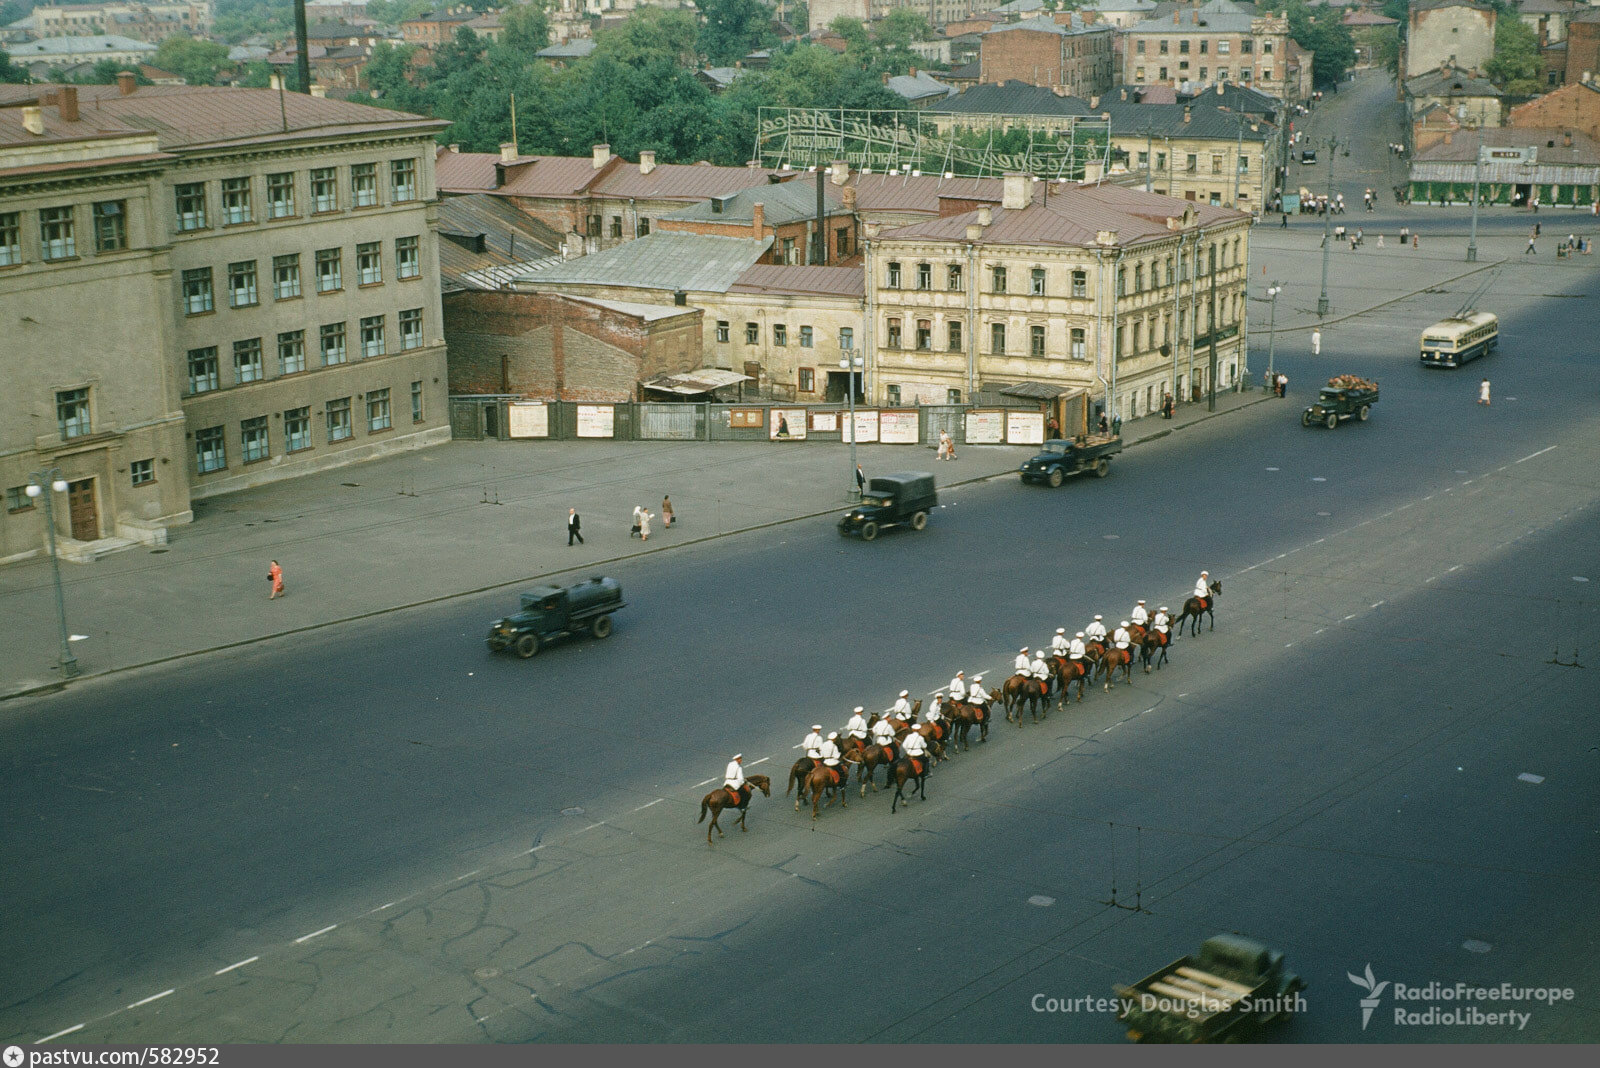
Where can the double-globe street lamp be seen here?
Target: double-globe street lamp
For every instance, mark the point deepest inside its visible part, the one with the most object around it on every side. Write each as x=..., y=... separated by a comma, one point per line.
x=38, y=484
x=851, y=365
x=1334, y=144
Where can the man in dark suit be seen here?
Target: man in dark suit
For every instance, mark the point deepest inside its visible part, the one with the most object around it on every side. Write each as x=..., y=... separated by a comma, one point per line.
x=573, y=523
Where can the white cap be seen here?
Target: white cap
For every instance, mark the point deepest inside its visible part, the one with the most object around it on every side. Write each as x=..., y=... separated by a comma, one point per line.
x=1023, y=649
x=959, y=674
x=1205, y=572
x=1163, y=608
x=1079, y=634
x=738, y=756
x=816, y=726
x=977, y=678
x=1124, y=623
x=1099, y=617
x=1063, y=630
x=1141, y=602
x=832, y=735
x=905, y=693
x=859, y=709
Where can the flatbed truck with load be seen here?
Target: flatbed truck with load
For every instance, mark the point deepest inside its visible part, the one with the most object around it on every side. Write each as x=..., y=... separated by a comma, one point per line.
x=1228, y=992
x=1059, y=458
x=1344, y=397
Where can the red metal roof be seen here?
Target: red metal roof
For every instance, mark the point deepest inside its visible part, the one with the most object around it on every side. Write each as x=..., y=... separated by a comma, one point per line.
x=526, y=176
x=903, y=192
x=812, y=280
x=679, y=181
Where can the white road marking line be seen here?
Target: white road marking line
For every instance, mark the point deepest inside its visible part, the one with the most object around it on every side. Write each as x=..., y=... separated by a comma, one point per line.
x=1456, y=568
x=231, y=967
x=1319, y=630
x=706, y=781
x=397, y=901
x=1252, y=567
x=1348, y=618
x=1430, y=578
x=152, y=997
x=1531, y=455
x=1403, y=507
x=314, y=934
x=469, y=875
x=1374, y=604
x=657, y=801
x=753, y=763
x=1528, y=776
x=602, y=823
x=1287, y=645
x=528, y=852
x=58, y=1034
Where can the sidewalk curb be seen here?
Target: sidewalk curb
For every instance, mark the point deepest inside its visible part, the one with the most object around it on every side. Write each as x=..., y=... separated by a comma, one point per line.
x=62, y=684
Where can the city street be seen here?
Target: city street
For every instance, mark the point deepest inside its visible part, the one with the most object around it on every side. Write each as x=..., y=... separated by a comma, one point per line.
x=1381, y=756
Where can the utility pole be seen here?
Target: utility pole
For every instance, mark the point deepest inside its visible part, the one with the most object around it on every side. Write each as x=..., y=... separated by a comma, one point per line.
x=303, y=60
x=1238, y=155
x=1272, y=326
x=1332, y=144
x=1472, y=242
x=1211, y=314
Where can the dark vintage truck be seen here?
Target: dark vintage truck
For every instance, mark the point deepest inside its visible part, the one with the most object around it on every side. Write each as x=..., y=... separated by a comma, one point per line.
x=890, y=500
x=1228, y=992
x=551, y=612
x=1059, y=458
x=1344, y=397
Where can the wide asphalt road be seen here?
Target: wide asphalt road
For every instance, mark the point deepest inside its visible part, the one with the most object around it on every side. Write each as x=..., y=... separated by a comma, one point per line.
x=381, y=833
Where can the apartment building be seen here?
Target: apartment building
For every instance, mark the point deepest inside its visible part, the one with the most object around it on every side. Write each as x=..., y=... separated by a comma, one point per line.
x=1065, y=53
x=1219, y=41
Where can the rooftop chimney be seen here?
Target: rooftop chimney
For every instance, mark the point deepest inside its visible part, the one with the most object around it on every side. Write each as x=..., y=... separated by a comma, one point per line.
x=1107, y=238
x=127, y=82
x=68, y=103
x=647, y=160
x=1096, y=103
x=602, y=156
x=1220, y=88
x=1018, y=192
x=974, y=232
x=758, y=220
x=33, y=119
x=319, y=91
x=753, y=164
x=454, y=148
x=885, y=77
x=1186, y=113
x=985, y=215
x=839, y=171
x=849, y=198
x=1093, y=171
x=508, y=151
x=1174, y=18
x=1566, y=139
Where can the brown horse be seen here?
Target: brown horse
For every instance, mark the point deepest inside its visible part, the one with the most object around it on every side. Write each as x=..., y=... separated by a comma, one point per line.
x=1194, y=608
x=1154, y=647
x=965, y=716
x=1069, y=671
x=1117, y=660
x=1024, y=688
x=722, y=798
x=871, y=757
x=822, y=780
x=908, y=769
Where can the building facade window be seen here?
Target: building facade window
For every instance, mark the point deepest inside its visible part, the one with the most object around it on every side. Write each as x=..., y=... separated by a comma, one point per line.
x=953, y=280
x=841, y=241
x=997, y=338
x=324, y=190
x=402, y=180
x=407, y=257
x=369, y=262
x=142, y=472
x=752, y=333
x=291, y=352
x=924, y=335
x=1036, y=341
x=338, y=416
x=410, y=329
x=1138, y=278
x=1036, y=282
x=190, y=201
x=364, y=184
x=997, y=278
x=10, y=238
x=330, y=271
x=416, y=401
x=253, y=439
x=847, y=339
x=236, y=206
x=247, y=363
x=807, y=381
x=297, y=429
x=780, y=334
x=203, y=369
x=331, y=338
x=924, y=276
x=1080, y=283
x=280, y=195
x=722, y=331
x=242, y=284
x=616, y=226
x=286, y=276
x=17, y=499
x=57, y=240
x=1078, y=349
x=953, y=336
x=72, y=413
x=643, y=227
x=892, y=394
x=111, y=226
x=371, y=336
x=378, y=416
x=210, y=450
x=894, y=275
x=805, y=337
x=894, y=333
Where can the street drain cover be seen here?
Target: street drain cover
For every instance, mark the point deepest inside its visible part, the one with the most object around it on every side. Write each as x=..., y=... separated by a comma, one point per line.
x=1472, y=945
x=1041, y=900
x=574, y=811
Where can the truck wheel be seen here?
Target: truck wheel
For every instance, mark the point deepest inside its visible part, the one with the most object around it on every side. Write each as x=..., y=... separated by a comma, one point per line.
x=601, y=627
x=1366, y=410
x=527, y=645
x=1305, y=418
x=1055, y=478
x=1330, y=421
x=919, y=521
x=1103, y=468
x=869, y=530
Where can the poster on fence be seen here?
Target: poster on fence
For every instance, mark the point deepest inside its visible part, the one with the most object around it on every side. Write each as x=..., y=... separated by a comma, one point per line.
x=899, y=427
x=746, y=418
x=528, y=420
x=596, y=421
x=825, y=422
x=787, y=424
x=986, y=428
x=866, y=426
x=1025, y=428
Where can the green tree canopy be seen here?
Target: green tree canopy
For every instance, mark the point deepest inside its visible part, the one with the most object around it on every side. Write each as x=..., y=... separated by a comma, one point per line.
x=527, y=27
x=1516, y=66
x=733, y=29
x=648, y=35
x=196, y=62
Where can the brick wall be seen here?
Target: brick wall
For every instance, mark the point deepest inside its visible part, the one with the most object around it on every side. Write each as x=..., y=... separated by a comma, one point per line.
x=1583, y=50
x=1022, y=55
x=1572, y=107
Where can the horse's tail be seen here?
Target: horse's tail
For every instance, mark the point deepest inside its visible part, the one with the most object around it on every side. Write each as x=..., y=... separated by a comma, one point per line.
x=793, y=778
x=705, y=803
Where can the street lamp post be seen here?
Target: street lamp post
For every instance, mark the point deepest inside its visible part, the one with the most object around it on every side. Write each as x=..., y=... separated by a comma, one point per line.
x=1472, y=242
x=39, y=483
x=1327, y=225
x=848, y=363
x=1272, y=327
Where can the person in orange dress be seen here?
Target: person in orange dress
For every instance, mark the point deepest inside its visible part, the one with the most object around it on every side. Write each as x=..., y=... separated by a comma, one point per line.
x=275, y=578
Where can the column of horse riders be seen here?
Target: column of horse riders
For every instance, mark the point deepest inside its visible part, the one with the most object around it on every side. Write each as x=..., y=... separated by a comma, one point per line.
x=907, y=748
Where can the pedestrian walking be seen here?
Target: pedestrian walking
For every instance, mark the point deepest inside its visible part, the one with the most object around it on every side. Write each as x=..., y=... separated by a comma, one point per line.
x=644, y=525
x=274, y=581
x=1380, y=240
x=1285, y=224
x=1537, y=229
x=638, y=521
x=861, y=480
x=1483, y=392
x=573, y=525
x=666, y=512
x=1283, y=384
x=1316, y=342
x=1405, y=234
x=1416, y=241
x=1530, y=248
x=1166, y=406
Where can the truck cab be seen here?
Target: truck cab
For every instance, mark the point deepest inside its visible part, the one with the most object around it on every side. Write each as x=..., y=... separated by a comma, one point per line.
x=1059, y=458
x=890, y=500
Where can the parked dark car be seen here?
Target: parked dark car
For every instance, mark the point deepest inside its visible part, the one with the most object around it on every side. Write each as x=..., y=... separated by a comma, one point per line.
x=1308, y=157
x=889, y=501
x=551, y=612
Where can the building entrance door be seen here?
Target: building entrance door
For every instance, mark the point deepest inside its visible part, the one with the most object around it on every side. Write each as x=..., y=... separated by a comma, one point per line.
x=80, y=505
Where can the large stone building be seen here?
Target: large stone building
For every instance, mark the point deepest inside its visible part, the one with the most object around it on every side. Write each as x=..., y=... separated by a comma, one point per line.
x=1219, y=41
x=1198, y=151
x=148, y=22
x=210, y=288
x=1457, y=33
x=1065, y=53
x=1583, y=46
x=60, y=53
x=1113, y=290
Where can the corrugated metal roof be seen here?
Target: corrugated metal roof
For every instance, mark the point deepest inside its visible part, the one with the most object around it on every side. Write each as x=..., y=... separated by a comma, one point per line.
x=648, y=312
x=1454, y=82
x=526, y=176
x=1206, y=121
x=689, y=383
x=1009, y=98
x=811, y=280
x=680, y=181
x=919, y=86
x=1046, y=24
x=662, y=260
x=513, y=242
x=904, y=192
x=783, y=203
x=1549, y=144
